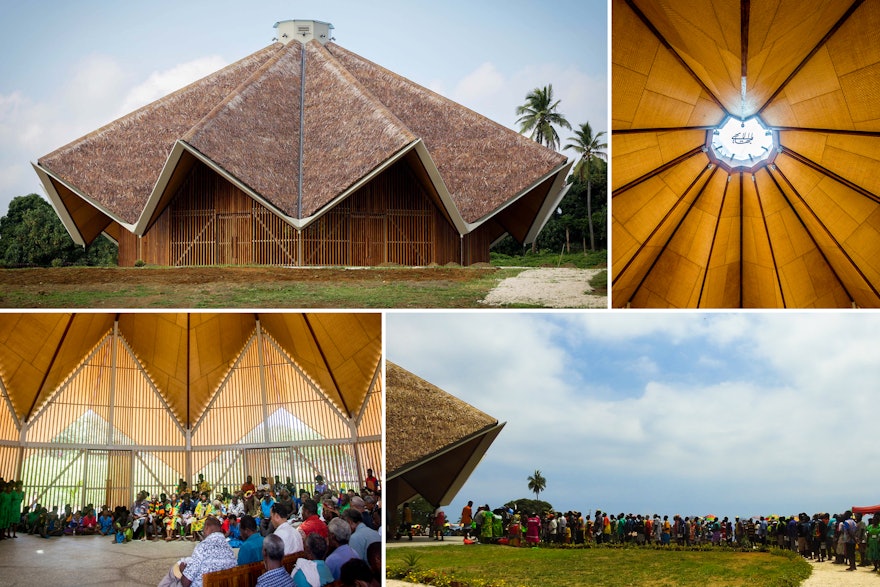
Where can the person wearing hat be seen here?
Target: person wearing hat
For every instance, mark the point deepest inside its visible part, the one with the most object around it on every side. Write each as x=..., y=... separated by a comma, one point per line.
x=320, y=486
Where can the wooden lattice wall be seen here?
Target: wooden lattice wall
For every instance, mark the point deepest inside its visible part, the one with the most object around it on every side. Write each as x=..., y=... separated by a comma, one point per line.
x=391, y=219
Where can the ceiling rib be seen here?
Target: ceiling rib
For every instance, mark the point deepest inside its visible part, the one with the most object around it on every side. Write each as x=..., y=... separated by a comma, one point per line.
x=827, y=232
x=657, y=170
x=661, y=223
x=769, y=241
x=741, y=233
x=838, y=131
x=632, y=131
x=809, y=56
x=327, y=366
x=744, y=55
x=51, y=364
x=665, y=43
x=714, y=236
x=809, y=233
x=824, y=170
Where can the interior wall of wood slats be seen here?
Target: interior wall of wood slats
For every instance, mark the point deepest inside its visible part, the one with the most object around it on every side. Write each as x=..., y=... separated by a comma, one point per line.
x=391, y=219
x=106, y=434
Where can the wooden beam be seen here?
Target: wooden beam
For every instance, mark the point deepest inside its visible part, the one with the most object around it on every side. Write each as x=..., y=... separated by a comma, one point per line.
x=830, y=131
x=769, y=241
x=665, y=43
x=661, y=223
x=825, y=229
x=336, y=387
x=825, y=171
x=632, y=131
x=51, y=364
x=822, y=41
x=657, y=170
x=714, y=235
x=744, y=38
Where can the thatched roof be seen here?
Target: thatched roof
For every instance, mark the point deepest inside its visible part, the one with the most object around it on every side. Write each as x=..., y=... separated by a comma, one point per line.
x=433, y=439
x=298, y=127
x=800, y=230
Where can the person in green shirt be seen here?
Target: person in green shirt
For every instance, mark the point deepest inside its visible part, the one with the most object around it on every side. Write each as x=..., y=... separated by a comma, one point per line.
x=873, y=531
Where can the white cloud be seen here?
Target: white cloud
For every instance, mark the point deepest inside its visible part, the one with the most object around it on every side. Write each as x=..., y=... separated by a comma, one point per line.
x=162, y=83
x=496, y=94
x=98, y=90
x=803, y=400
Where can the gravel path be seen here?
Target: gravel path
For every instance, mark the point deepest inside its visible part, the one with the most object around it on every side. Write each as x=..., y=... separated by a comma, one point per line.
x=830, y=575
x=549, y=288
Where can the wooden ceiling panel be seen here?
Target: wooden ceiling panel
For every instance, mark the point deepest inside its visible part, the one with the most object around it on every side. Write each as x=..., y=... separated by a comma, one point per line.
x=816, y=78
x=855, y=46
x=627, y=88
x=862, y=94
x=803, y=244
x=637, y=154
x=825, y=111
x=634, y=45
x=696, y=31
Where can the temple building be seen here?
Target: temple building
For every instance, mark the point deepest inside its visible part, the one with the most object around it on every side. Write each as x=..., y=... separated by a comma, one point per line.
x=303, y=154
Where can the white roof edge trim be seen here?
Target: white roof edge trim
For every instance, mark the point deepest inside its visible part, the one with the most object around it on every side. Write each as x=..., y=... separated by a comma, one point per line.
x=158, y=188
x=58, y=206
x=44, y=175
x=550, y=204
x=168, y=170
x=561, y=177
x=358, y=184
x=434, y=174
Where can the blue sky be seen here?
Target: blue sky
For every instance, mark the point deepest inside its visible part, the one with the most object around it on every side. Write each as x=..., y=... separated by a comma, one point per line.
x=72, y=66
x=692, y=413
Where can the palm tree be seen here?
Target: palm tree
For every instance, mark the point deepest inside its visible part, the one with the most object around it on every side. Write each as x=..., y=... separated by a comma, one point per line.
x=587, y=145
x=537, y=483
x=538, y=115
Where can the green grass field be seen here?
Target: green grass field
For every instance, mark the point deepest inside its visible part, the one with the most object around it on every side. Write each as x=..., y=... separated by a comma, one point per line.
x=504, y=566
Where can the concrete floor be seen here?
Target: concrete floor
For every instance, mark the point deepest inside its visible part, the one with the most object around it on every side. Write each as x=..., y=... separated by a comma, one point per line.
x=86, y=560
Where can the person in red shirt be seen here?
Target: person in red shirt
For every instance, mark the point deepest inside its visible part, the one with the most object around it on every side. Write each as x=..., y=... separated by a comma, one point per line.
x=371, y=482
x=248, y=485
x=312, y=524
x=439, y=523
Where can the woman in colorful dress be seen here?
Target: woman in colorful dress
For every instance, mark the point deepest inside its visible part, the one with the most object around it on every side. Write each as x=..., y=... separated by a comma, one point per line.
x=533, y=529
x=874, y=541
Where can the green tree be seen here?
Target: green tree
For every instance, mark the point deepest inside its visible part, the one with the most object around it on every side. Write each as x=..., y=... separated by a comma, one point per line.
x=589, y=147
x=32, y=234
x=538, y=117
x=537, y=483
x=528, y=505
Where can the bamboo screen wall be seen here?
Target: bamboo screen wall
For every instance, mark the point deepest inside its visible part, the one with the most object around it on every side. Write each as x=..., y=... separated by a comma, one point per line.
x=107, y=432
x=391, y=219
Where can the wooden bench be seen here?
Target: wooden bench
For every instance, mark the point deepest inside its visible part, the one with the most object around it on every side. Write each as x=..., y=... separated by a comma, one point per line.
x=240, y=576
x=245, y=575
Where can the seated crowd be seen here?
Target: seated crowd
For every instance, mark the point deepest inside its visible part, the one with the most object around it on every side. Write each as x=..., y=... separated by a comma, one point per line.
x=336, y=533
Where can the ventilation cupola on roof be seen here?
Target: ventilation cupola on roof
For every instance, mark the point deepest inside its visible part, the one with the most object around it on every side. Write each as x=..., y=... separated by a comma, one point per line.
x=303, y=31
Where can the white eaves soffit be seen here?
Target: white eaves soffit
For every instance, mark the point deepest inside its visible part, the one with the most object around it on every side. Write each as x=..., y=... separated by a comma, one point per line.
x=57, y=202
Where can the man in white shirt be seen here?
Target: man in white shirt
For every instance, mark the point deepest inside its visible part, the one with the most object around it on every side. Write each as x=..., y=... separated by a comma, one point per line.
x=290, y=535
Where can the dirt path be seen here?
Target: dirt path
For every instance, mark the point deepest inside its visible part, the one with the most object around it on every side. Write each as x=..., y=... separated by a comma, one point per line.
x=550, y=288
x=830, y=575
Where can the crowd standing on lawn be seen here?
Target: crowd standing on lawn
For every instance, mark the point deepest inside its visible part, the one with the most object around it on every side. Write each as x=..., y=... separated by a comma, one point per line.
x=338, y=532
x=843, y=539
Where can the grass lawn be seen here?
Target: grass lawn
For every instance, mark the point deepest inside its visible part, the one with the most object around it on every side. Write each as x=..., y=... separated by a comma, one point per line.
x=484, y=565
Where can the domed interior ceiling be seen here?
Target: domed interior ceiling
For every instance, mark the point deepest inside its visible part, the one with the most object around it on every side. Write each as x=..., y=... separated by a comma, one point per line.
x=187, y=355
x=799, y=229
